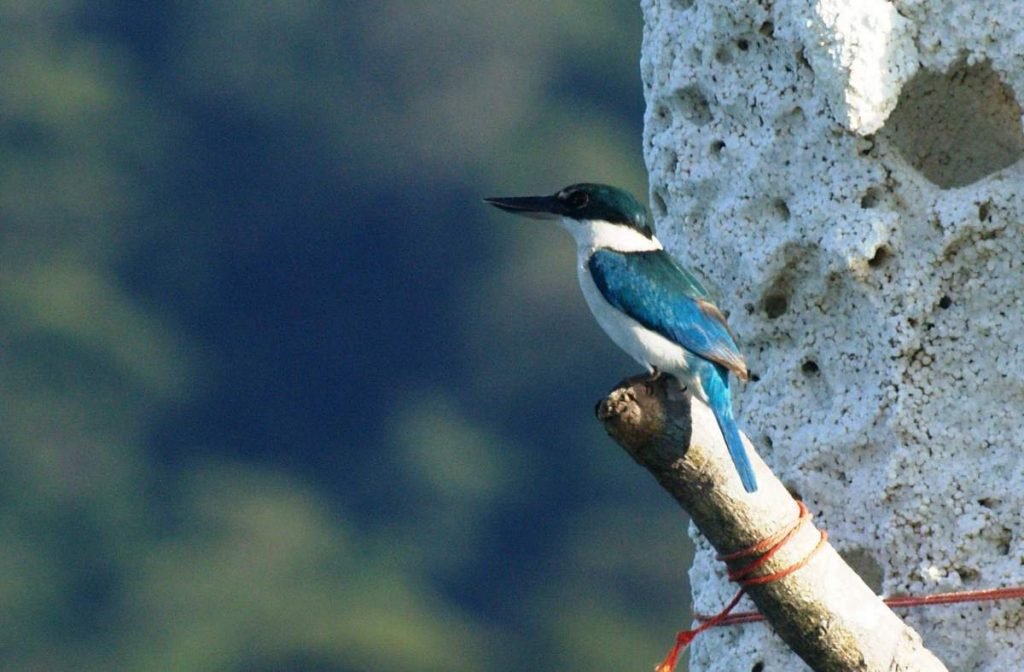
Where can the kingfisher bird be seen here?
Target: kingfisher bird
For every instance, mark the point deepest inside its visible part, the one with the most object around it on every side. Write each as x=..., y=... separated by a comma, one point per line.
x=650, y=306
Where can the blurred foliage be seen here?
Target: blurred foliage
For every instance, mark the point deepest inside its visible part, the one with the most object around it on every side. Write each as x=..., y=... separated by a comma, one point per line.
x=278, y=394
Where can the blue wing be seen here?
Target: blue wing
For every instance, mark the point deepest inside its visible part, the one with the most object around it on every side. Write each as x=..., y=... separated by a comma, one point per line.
x=661, y=295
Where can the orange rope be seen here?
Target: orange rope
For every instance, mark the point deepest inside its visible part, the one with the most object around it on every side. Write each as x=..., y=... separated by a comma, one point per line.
x=764, y=550
x=985, y=595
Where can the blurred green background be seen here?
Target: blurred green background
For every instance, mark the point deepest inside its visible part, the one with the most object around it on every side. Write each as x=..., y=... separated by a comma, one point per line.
x=278, y=391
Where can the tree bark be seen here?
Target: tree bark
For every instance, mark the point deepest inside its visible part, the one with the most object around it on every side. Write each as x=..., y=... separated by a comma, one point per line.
x=823, y=611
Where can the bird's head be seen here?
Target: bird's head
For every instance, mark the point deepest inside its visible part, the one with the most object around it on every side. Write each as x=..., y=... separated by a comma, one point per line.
x=591, y=212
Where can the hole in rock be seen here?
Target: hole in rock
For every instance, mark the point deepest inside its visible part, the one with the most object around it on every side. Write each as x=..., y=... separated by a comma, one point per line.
x=775, y=305
x=959, y=126
x=801, y=59
x=693, y=105
x=781, y=209
x=716, y=147
x=870, y=198
x=661, y=117
x=810, y=367
x=758, y=666
x=967, y=574
x=945, y=302
x=882, y=253
x=867, y=146
x=867, y=568
x=1004, y=538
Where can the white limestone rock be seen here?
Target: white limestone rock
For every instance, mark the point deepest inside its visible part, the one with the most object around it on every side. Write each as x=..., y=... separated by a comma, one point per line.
x=850, y=180
x=862, y=51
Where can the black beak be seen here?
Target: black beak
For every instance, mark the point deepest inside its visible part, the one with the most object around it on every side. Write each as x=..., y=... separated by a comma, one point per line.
x=535, y=207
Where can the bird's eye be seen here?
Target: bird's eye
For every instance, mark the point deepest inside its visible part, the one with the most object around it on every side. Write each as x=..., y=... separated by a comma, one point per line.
x=576, y=199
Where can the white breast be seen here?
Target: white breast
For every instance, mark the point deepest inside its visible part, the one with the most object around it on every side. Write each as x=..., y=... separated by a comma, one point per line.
x=647, y=347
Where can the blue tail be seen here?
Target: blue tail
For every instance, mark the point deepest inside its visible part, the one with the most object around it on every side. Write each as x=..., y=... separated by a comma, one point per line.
x=716, y=387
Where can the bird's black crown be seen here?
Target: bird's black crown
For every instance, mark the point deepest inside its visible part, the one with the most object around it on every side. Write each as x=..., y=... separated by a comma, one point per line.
x=605, y=202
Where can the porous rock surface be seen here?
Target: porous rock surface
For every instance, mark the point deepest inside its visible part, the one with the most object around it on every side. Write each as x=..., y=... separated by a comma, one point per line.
x=847, y=175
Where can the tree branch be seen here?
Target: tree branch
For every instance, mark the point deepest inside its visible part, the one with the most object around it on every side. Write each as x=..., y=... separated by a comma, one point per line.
x=824, y=611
